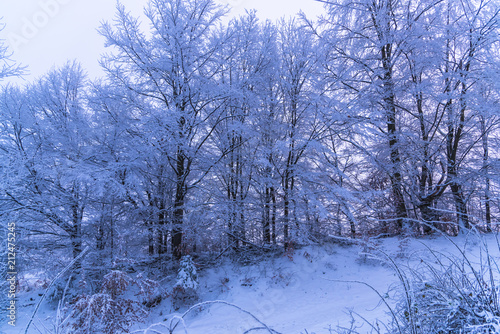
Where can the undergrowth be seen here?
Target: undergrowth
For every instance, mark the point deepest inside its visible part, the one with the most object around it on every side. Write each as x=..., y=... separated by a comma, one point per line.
x=444, y=293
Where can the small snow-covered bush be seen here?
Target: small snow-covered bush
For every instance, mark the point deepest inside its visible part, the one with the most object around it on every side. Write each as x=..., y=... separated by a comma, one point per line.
x=450, y=301
x=449, y=294
x=115, y=283
x=102, y=313
x=184, y=291
x=148, y=291
x=444, y=293
x=108, y=311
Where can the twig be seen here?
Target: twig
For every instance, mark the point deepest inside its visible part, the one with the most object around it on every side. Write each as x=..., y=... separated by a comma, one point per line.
x=225, y=250
x=374, y=290
x=248, y=242
x=264, y=326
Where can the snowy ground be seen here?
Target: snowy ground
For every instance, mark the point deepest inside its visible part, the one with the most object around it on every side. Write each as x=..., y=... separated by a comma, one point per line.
x=309, y=294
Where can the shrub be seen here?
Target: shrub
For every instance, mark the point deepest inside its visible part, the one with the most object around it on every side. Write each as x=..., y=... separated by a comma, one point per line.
x=449, y=294
x=148, y=292
x=109, y=311
x=115, y=283
x=443, y=294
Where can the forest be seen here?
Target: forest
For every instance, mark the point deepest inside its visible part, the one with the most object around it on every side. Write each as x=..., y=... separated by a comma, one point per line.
x=209, y=138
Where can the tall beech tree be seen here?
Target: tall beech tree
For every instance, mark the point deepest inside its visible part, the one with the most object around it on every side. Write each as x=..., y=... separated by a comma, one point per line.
x=365, y=39
x=172, y=68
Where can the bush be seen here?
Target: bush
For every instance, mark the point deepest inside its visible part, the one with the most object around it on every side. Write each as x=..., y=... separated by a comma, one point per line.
x=148, y=291
x=109, y=311
x=443, y=294
x=449, y=294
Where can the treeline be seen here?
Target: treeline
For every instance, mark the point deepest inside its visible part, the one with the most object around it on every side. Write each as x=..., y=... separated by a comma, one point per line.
x=379, y=117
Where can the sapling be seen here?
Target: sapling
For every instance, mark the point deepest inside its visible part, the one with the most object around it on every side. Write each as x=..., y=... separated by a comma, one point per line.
x=184, y=291
x=187, y=278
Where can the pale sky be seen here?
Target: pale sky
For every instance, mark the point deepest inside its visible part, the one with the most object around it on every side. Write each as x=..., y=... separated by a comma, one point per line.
x=46, y=33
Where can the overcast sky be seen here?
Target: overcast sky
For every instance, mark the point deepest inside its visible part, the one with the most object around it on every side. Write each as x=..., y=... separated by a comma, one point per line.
x=47, y=33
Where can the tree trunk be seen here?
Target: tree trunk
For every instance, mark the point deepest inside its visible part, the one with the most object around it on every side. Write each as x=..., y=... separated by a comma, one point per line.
x=100, y=233
x=286, y=210
x=235, y=193
x=452, y=145
x=456, y=188
x=460, y=205
x=429, y=215
x=162, y=233
x=267, y=216
x=111, y=230
x=240, y=199
x=390, y=108
x=178, y=216
x=151, y=244
x=161, y=236
x=487, y=186
x=273, y=216
x=76, y=234
x=487, y=204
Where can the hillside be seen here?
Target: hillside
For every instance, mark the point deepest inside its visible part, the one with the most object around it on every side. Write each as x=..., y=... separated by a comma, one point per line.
x=317, y=289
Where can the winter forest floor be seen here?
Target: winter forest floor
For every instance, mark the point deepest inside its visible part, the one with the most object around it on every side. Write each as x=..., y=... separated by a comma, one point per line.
x=317, y=289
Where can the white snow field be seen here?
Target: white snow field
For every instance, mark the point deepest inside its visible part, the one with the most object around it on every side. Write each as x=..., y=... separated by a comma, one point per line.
x=314, y=291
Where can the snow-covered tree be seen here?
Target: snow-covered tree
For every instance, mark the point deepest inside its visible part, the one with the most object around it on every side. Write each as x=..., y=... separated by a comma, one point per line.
x=301, y=123
x=187, y=278
x=248, y=63
x=47, y=149
x=171, y=70
x=8, y=69
x=407, y=71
